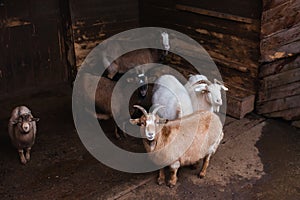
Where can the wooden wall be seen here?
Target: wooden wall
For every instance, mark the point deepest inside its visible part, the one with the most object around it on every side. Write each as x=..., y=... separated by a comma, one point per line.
x=32, y=46
x=229, y=30
x=94, y=20
x=279, y=94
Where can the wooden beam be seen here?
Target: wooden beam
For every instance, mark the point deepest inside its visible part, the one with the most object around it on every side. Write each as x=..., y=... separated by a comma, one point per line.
x=289, y=114
x=215, y=14
x=280, y=79
x=279, y=105
x=239, y=102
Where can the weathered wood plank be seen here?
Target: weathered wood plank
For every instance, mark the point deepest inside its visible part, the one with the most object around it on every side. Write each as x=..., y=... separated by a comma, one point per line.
x=215, y=14
x=279, y=104
x=270, y=28
x=223, y=49
x=288, y=50
x=239, y=102
x=281, y=38
x=240, y=80
x=93, y=21
x=32, y=47
x=100, y=32
x=280, y=45
x=279, y=66
x=94, y=9
x=281, y=79
x=269, y=4
x=279, y=92
x=231, y=39
x=289, y=114
x=219, y=41
x=163, y=17
x=275, y=13
x=251, y=9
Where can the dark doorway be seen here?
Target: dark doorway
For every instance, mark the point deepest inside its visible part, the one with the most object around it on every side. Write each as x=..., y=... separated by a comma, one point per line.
x=33, y=50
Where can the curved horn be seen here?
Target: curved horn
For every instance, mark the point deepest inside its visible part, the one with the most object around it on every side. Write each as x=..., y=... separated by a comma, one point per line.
x=141, y=108
x=218, y=82
x=221, y=84
x=157, y=108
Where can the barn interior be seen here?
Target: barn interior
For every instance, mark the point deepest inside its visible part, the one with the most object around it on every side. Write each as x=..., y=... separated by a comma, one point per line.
x=255, y=45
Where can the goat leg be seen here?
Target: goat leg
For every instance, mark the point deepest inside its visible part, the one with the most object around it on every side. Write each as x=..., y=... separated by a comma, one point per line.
x=117, y=132
x=27, y=155
x=161, y=177
x=204, y=167
x=22, y=157
x=124, y=130
x=173, y=174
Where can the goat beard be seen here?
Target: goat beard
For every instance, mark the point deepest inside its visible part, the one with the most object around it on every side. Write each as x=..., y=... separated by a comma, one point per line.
x=150, y=145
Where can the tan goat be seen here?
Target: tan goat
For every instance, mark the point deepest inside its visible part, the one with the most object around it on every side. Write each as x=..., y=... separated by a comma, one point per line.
x=182, y=141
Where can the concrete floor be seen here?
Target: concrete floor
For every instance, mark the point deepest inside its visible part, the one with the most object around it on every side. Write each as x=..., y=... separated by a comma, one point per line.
x=258, y=159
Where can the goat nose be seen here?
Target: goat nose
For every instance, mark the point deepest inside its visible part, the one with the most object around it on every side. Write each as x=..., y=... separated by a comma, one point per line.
x=150, y=134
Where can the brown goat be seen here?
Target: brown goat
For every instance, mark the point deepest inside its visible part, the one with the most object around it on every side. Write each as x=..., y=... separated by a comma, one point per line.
x=182, y=141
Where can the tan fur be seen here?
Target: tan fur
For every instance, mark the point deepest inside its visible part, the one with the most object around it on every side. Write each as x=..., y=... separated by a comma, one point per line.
x=203, y=129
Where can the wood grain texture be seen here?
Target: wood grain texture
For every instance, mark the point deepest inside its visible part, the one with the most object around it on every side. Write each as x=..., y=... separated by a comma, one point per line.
x=229, y=32
x=32, y=44
x=93, y=21
x=279, y=92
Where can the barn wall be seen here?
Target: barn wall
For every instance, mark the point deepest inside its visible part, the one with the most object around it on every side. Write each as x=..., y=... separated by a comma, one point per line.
x=32, y=54
x=94, y=20
x=229, y=30
x=279, y=94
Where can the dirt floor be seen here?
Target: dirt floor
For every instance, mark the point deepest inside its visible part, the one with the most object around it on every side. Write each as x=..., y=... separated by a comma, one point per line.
x=258, y=159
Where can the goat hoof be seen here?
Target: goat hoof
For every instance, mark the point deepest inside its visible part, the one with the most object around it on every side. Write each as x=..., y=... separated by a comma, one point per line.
x=171, y=184
x=23, y=161
x=118, y=137
x=201, y=175
x=160, y=181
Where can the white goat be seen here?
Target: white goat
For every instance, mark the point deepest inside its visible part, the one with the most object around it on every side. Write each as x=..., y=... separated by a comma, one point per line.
x=22, y=131
x=204, y=94
x=169, y=92
x=182, y=142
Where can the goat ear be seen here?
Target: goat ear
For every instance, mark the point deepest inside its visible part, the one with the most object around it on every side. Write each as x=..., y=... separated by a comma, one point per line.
x=224, y=88
x=162, y=121
x=135, y=121
x=14, y=121
x=35, y=119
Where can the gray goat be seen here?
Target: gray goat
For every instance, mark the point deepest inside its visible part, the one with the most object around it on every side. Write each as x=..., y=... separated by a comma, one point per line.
x=22, y=131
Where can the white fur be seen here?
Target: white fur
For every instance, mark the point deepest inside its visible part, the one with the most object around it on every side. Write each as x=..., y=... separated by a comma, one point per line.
x=169, y=92
x=205, y=96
